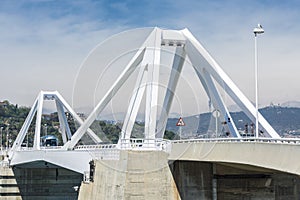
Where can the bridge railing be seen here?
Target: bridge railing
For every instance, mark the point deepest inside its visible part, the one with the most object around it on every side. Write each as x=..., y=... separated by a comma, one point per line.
x=96, y=146
x=145, y=144
x=295, y=141
x=41, y=148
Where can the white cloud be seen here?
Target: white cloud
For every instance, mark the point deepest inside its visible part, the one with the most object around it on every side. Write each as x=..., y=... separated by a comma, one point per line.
x=42, y=47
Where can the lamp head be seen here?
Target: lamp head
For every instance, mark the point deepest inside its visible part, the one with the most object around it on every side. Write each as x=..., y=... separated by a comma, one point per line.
x=258, y=29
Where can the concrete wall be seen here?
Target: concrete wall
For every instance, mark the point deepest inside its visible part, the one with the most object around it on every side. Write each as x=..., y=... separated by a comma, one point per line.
x=38, y=181
x=199, y=180
x=137, y=175
x=276, y=156
x=47, y=183
x=149, y=175
x=193, y=179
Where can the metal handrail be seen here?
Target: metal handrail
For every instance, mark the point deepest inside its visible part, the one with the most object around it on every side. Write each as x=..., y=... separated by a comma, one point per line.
x=249, y=139
x=161, y=144
x=96, y=146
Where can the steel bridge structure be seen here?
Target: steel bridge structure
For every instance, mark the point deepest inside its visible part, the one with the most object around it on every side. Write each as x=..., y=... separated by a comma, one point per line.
x=146, y=60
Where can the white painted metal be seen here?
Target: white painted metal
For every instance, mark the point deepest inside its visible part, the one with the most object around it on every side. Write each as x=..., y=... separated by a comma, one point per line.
x=135, y=101
x=256, y=87
x=208, y=72
x=152, y=57
x=37, y=109
x=178, y=61
x=201, y=58
x=64, y=127
x=135, y=61
x=148, y=55
x=63, y=102
x=25, y=127
x=257, y=30
x=37, y=132
x=220, y=105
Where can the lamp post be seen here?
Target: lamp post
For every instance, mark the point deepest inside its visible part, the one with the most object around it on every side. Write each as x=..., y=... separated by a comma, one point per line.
x=1, y=128
x=45, y=129
x=7, y=133
x=257, y=30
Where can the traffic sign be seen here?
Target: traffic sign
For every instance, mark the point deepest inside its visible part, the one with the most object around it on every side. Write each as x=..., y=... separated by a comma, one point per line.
x=180, y=122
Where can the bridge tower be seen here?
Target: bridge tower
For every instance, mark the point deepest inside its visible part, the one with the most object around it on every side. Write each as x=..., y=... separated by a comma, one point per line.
x=37, y=109
x=147, y=60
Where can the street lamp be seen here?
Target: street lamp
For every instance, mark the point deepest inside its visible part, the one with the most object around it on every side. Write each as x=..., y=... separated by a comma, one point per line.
x=1, y=128
x=7, y=133
x=45, y=129
x=257, y=30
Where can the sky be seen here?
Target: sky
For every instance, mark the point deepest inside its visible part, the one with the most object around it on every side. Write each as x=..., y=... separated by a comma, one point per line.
x=44, y=42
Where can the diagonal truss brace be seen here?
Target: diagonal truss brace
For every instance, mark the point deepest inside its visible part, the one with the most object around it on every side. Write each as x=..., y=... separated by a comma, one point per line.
x=106, y=99
x=201, y=57
x=178, y=62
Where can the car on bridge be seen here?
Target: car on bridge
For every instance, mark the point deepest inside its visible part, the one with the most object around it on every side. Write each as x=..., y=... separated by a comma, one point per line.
x=49, y=140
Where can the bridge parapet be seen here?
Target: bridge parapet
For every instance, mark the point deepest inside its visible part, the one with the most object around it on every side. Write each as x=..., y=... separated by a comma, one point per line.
x=143, y=144
x=96, y=146
x=295, y=141
x=276, y=154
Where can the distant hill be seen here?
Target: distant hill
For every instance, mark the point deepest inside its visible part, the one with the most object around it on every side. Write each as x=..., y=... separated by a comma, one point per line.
x=291, y=104
x=285, y=120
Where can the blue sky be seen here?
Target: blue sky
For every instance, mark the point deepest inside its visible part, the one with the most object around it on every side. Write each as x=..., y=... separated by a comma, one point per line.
x=43, y=42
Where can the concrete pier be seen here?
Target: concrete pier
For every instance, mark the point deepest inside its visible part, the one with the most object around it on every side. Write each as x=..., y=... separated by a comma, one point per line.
x=136, y=175
x=149, y=175
x=38, y=181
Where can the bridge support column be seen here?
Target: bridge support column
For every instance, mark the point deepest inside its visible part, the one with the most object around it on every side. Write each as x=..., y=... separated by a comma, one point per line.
x=194, y=180
x=136, y=175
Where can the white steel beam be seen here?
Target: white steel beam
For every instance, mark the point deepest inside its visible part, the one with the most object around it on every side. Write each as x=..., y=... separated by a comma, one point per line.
x=135, y=102
x=152, y=57
x=219, y=104
x=135, y=61
x=90, y=132
x=202, y=58
x=21, y=136
x=37, y=132
x=64, y=126
x=178, y=61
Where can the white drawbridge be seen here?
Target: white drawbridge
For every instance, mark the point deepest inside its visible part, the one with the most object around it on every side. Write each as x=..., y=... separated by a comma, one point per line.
x=147, y=61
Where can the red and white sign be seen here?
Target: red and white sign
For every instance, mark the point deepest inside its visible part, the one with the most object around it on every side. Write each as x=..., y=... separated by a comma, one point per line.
x=180, y=122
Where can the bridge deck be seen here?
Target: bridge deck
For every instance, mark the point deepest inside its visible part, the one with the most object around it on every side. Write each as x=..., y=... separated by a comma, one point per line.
x=276, y=154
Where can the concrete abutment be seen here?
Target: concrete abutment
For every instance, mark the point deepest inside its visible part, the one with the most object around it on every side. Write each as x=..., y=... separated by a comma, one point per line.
x=150, y=175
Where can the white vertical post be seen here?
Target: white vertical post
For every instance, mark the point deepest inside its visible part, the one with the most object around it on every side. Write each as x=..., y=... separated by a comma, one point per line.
x=178, y=62
x=135, y=102
x=1, y=129
x=256, y=87
x=153, y=56
x=256, y=31
x=63, y=122
x=37, y=134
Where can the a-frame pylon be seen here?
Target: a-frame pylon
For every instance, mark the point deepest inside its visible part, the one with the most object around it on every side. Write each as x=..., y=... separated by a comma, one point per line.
x=36, y=110
x=147, y=60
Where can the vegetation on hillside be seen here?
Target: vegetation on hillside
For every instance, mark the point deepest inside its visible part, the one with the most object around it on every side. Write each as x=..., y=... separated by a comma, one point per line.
x=284, y=120
x=12, y=118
